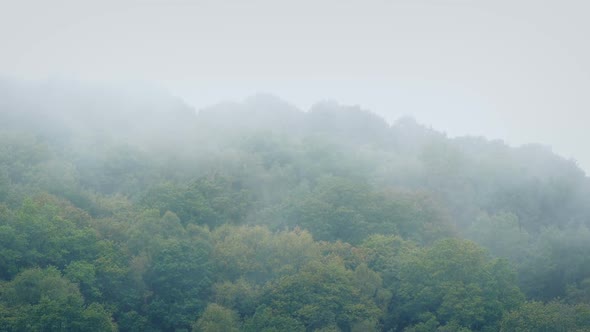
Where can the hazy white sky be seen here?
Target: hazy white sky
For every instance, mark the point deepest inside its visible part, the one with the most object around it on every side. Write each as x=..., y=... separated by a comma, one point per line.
x=517, y=70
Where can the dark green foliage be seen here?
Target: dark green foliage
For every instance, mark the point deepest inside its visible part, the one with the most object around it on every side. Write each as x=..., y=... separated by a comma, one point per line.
x=340, y=209
x=43, y=232
x=179, y=277
x=144, y=216
x=552, y=316
x=42, y=300
x=211, y=201
x=454, y=282
x=556, y=259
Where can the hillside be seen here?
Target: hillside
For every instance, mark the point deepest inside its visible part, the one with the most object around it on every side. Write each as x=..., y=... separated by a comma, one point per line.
x=127, y=209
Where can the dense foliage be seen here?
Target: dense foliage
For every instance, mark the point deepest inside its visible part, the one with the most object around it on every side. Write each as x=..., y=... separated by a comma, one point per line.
x=135, y=213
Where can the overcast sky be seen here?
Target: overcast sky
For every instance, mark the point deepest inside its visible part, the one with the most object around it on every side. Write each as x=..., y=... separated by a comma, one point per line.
x=517, y=70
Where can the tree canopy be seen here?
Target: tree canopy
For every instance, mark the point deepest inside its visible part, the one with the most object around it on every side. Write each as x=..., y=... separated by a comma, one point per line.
x=137, y=215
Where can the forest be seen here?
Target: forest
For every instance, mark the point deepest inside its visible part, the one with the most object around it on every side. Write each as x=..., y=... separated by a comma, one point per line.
x=128, y=210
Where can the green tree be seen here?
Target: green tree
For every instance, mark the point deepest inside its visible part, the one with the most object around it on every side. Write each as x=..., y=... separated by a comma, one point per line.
x=43, y=300
x=45, y=231
x=257, y=255
x=553, y=316
x=178, y=278
x=453, y=282
x=320, y=295
x=216, y=318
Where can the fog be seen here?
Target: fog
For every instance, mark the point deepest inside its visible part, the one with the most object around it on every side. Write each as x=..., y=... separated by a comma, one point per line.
x=514, y=70
x=310, y=166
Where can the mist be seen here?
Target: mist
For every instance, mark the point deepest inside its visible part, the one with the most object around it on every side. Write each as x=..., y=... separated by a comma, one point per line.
x=505, y=70
x=309, y=166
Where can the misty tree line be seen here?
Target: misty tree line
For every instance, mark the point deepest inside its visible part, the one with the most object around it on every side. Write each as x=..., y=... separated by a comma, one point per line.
x=130, y=213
